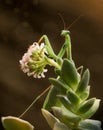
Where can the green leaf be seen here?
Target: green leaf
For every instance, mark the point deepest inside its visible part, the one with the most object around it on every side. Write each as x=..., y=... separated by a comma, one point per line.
x=84, y=82
x=89, y=124
x=88, y=108
x=60, y=126
x=49, y=118
x=69, y=74
x=52, y=99
x=65, y=115
x=85, y=94
x=65, y=101
x=14, y=123
x=60, y=85
x=57, y=88
x=74, y=99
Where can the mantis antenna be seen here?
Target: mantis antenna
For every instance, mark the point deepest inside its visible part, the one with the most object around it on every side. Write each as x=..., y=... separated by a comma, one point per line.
x=74, y=21
x=64, y=25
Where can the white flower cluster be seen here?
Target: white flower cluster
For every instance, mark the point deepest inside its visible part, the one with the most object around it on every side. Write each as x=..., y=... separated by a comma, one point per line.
x=33, y=61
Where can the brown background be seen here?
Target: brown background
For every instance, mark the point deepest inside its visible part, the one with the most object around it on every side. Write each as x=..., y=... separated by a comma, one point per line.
x=24, y=21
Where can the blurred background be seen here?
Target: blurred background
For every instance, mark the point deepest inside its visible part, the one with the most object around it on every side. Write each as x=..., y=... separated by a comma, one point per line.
x=22, y=23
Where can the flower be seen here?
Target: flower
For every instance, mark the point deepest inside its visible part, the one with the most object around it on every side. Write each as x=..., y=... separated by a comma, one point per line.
x=34, y=61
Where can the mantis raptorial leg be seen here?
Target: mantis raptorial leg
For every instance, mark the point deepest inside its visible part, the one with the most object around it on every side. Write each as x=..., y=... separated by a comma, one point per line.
x=65, y=48
x=67, y=43
x=48, y=46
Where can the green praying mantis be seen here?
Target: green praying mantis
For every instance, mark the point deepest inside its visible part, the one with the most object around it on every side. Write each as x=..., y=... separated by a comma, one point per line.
x=68, y=97
x=67, y=106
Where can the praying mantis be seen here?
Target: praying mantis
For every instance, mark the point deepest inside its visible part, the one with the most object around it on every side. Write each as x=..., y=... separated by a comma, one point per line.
x=66, y=106
x=68, y=96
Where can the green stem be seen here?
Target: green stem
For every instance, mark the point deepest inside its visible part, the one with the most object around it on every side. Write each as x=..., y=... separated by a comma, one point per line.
x=53, y=63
